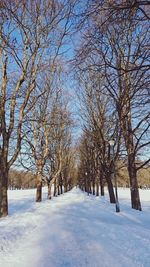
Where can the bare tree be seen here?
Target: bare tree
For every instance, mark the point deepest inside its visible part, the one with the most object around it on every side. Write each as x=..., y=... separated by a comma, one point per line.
x=30, y=33
x=59, y=143
x=118, y=48
x=99, y=128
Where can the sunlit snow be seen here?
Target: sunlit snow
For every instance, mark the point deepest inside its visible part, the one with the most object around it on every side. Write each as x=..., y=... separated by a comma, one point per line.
x=74, y=230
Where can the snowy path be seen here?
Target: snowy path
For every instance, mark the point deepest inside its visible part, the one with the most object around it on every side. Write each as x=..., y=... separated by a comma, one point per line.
x=73, y=230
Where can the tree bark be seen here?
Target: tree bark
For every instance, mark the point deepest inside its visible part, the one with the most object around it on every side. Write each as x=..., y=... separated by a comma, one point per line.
x=135, y=198
x=58, y=190
x=97, y=188
x=101, y=185
x=93, y=187
x=61, y=189
x=49, y=191
x=110, y=188
x=61, y=184
x=39, y=188
x=0, y=193
x=65, y=185
x=55, y=189
x=102, y=189
x=129, y=142
x=3, y=189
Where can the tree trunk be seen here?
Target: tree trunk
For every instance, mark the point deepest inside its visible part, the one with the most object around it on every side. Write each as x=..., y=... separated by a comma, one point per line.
x=129, y=142
x=55, y=188
x=86, y=184
x=58, y=190
x=66, y=185
x=110, y=188
x=90, y=188
x=97, y=188
x=93, y=187
x=0, y=193
x=3, y=189
x=4, y=203
x=61, y=189
x=39, y=188
x=101, y=184
x=49, y=196
x=61, y=184
x=135, y=198
x=102, y=189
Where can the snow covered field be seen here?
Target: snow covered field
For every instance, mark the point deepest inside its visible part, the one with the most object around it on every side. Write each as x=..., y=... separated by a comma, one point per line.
x=74, y=230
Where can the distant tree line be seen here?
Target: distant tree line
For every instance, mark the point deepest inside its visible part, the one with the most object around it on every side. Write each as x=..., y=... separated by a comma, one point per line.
x=27, y=180
x=21, y=180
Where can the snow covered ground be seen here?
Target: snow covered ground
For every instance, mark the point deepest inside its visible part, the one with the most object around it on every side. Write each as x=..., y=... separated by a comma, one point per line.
x=74, y=230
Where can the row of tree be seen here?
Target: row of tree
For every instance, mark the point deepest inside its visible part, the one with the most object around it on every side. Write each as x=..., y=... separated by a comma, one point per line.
x=113, y=71
x=35, y=123
x=21, y=180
